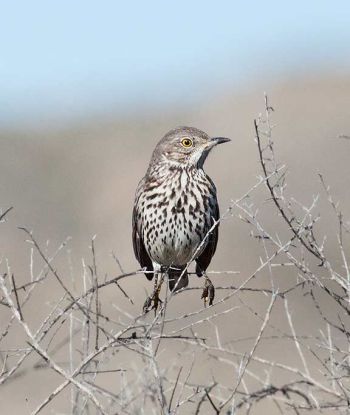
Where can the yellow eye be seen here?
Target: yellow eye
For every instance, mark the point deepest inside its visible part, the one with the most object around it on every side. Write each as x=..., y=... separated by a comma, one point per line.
x=187, y=142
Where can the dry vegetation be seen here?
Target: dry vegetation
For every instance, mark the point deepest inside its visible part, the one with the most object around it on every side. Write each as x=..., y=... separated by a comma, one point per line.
x=111, y=361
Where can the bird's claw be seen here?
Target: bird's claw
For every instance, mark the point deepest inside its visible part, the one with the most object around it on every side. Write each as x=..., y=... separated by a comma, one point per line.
x=147, y=305
x=152, y=302
x=208, y=292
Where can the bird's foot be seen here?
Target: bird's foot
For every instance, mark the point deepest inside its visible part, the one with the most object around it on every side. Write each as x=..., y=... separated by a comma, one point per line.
x=153, y=301
x=208, y=293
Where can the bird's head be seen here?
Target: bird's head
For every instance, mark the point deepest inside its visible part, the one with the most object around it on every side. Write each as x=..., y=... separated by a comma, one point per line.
x=185, y=146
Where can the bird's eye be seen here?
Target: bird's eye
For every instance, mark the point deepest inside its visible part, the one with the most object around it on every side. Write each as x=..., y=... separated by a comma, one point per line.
x=187, y=142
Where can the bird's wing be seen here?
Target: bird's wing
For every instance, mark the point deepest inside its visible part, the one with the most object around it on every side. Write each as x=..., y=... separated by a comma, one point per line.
x=208, y=252
x=137, y=240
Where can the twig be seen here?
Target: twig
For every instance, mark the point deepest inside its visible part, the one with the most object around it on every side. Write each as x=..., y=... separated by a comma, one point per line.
x=2, y=216
x=16, y=295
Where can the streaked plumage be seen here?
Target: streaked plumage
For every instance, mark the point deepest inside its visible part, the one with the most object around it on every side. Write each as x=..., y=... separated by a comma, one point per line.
x=175, y=207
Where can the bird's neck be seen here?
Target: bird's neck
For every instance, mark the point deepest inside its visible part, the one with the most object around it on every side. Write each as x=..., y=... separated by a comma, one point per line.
x=172, y=168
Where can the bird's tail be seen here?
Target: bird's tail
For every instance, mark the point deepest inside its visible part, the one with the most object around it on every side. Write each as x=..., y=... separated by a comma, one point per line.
x=177, y=279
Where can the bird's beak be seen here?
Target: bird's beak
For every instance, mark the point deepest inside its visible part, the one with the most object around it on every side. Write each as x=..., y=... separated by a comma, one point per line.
x=219, y=140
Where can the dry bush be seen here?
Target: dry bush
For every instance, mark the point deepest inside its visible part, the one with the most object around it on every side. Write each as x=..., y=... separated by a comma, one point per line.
x=111, y=361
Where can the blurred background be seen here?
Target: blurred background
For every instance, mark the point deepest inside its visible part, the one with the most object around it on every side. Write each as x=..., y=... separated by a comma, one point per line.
x=88, y=88
x=66, y=61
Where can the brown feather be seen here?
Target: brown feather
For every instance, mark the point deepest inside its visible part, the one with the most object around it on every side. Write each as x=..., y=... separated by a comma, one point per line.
x=138, y=244
x=205, y=257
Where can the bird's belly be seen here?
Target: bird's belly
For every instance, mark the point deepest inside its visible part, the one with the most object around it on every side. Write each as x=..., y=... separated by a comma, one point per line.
x=175, y=248
x=176, y=219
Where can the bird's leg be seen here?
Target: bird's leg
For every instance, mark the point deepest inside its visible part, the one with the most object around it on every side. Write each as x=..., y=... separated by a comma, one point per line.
x=147, y=306
x=155, y=283
x=208, y=291
x=154, y=298
x=156, y=292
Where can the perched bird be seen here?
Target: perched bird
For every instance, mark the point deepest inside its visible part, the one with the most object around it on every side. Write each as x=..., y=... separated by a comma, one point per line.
x=176, y=212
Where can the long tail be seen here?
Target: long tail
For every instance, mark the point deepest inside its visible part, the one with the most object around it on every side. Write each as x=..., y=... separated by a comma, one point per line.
x=176, y=280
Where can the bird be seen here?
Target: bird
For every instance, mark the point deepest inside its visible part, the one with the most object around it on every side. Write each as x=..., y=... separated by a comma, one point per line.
x=176, y=213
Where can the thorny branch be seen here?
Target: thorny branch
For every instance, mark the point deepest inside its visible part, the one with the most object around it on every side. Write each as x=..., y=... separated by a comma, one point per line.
x=252, y=349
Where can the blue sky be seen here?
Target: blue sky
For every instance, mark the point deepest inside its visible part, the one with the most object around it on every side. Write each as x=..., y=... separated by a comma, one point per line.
x=66, y=59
